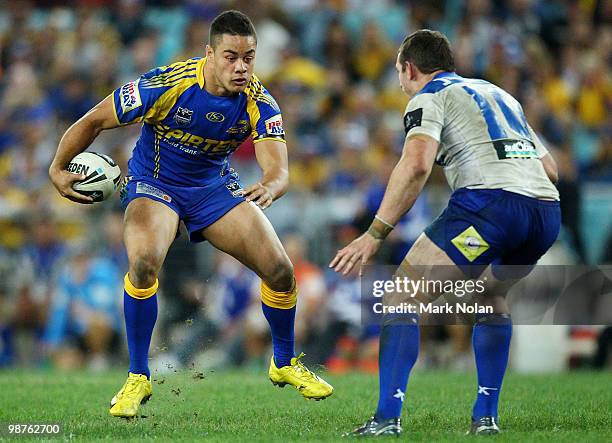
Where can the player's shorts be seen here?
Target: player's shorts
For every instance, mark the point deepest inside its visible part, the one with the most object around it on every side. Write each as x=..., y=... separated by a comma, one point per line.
x=492, y=226
x=198, y=207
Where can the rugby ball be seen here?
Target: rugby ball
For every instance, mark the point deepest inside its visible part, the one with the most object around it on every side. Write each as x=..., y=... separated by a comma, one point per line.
x=102, y=175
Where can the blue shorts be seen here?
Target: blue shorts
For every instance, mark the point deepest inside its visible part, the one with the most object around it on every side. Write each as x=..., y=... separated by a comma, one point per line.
x=492, y=226
x=198, y=207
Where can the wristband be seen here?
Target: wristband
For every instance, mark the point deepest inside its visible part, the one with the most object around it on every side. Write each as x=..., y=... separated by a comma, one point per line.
x=380, y=229
x=378, y=235
x=389, y=225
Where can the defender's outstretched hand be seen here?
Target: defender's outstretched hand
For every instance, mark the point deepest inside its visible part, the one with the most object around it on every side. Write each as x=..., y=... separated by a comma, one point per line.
x=359, y=251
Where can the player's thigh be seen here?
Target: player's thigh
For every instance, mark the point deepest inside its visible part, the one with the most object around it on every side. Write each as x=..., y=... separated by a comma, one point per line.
x=149, y=229
x=246, y=234
x=427, y=261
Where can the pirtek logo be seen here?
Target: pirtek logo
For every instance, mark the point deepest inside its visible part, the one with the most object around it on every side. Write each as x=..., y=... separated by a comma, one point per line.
x=78, y=168
x=210, y=146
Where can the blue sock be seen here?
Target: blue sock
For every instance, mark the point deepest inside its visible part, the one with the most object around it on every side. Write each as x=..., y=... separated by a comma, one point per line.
x=281, y=326
x=399, y=349
x=140, y=316
x=491, y=341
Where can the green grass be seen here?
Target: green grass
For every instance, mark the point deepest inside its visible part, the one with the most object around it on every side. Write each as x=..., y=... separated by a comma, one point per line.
x=242, y=406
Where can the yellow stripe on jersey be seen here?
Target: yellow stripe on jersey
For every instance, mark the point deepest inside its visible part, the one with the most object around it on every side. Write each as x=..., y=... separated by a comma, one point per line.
x=254, y=114
x=115, y=112
x=160, y=109
x=178, y=68
x=200, y=72
x=174, y=82
x=157, y=157
x=278, y=139
x=167, y=81
x=255, y=90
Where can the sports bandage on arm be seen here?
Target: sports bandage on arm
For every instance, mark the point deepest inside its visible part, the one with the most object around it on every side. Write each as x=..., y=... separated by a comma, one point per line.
x=380, y=229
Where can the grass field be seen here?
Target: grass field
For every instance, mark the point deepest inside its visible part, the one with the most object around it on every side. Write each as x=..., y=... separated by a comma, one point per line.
x=240, y=406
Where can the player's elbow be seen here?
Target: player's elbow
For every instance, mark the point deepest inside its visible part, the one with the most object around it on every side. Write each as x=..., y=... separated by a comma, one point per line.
x=284, y=182
x=418, y=156
x=100, y=117
x=88, y=126
x=421, y=169
x=417, y=167
x=550, y=167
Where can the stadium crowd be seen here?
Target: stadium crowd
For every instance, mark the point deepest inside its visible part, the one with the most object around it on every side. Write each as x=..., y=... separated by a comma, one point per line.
x=330, y=66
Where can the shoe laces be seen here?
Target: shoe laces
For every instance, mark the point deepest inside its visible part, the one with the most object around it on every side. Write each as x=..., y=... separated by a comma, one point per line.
x=301, y=368
x=131, y=386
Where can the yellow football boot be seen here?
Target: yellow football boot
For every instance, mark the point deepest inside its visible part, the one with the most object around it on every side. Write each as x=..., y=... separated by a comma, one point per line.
x=136, y=391
x=300, y=377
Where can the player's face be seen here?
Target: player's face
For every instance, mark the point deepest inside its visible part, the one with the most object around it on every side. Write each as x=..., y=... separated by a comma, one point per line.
x=403, y=73
x=232, y=61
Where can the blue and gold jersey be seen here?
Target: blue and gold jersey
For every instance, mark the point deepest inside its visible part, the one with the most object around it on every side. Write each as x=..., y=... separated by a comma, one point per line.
x=188, y=133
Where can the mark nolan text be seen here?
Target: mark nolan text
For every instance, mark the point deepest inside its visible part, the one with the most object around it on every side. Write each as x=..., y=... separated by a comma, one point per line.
x=446, y=308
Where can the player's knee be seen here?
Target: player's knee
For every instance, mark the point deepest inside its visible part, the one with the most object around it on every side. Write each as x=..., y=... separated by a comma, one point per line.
x=143, y=271
x=280, y=274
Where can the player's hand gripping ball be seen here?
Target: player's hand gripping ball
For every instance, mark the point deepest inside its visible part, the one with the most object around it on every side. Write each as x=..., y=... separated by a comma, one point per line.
x=102, y=175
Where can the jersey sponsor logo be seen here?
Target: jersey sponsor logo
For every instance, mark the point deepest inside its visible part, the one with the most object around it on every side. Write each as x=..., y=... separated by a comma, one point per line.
x=194, y=144
x=130, y=96
x=215, y=117
x=183, y=137
x=274, y=126
x=183, y=116
x=412, y=119
x=145, y=188
x=514, y=149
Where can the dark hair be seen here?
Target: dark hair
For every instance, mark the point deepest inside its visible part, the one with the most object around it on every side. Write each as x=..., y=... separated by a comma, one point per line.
x=428, y=50
x=230, y=22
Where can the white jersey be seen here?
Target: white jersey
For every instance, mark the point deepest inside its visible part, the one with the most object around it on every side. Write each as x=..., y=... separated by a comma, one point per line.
x=485, y=141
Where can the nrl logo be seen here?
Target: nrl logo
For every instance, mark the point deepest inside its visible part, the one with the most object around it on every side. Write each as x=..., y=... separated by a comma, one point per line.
x=183, y=116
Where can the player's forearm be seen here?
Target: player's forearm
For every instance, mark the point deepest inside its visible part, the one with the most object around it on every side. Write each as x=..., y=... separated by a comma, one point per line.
x=276, y=180
x=405, y=185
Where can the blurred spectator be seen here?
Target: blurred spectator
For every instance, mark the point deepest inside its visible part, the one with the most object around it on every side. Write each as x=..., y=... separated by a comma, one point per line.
x=312, y=290
x=85, y=318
